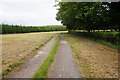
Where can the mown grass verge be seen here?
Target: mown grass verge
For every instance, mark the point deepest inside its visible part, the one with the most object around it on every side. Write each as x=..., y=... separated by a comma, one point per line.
x=106, y=43
x=21, y=62
x=42, y=71
x=111, y=39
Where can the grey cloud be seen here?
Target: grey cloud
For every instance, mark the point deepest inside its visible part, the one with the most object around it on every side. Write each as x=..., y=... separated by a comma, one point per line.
x=28, y=12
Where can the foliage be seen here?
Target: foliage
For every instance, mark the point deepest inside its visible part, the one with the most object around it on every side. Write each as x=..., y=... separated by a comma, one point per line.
x=25, y=29
x=89, y=16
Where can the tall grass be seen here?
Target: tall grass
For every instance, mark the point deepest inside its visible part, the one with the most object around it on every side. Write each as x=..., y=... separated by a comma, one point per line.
x=42, y=71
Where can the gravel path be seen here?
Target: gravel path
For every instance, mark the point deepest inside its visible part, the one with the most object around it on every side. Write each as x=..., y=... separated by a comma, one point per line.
x=64, y=65
x=30, y=68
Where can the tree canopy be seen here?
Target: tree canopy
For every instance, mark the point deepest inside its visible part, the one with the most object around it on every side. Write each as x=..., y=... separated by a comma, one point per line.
x=89, y=15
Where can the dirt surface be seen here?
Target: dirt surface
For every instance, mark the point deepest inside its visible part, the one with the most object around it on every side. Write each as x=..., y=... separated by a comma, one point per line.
x=17, y=47
x=64, y=65
x=94, y=59
x=30, y=68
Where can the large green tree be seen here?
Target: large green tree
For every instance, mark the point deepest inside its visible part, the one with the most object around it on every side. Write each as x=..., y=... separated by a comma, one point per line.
x=88, y=16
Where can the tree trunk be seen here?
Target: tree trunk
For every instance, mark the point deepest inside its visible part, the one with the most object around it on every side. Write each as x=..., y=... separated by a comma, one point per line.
x=115, y=30
x=118, y=30
x=111, y=30
x=88, y=30
x=74, y=29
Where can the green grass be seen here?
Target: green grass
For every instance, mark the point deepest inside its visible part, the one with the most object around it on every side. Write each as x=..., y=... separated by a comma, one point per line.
x=107, y=43
x=106, y=38
x=11, y=68
x=42, y=71
x=15, y=64
x=104, y=42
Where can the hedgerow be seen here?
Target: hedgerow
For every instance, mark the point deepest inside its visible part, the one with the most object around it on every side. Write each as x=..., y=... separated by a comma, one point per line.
x=6, y=29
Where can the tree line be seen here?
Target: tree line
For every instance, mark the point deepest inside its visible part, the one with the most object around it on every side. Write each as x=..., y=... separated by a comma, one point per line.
x=26, y=29
x=89, y=16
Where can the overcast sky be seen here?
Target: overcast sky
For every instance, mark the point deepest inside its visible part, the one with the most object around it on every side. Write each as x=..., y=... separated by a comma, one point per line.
x=28, y=12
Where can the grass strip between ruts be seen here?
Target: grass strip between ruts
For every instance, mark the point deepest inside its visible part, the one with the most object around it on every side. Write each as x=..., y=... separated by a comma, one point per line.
x=42, y=71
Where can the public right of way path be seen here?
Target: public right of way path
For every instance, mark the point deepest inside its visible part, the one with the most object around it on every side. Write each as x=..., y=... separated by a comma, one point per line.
x=64, y=65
